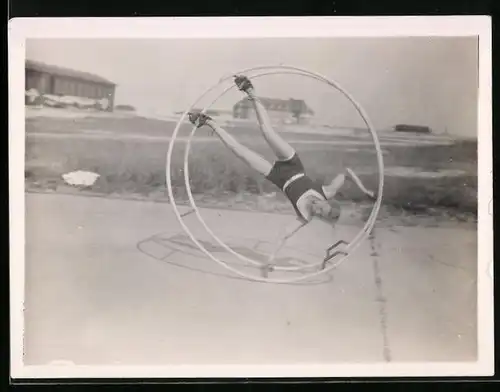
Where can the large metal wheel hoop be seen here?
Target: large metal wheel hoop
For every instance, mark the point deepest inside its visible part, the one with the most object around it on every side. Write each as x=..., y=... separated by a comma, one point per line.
x=363, y=233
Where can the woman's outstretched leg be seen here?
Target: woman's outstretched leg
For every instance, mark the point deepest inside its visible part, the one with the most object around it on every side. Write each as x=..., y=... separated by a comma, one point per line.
x=331, y=189
x=280, y=147
x=250, y=157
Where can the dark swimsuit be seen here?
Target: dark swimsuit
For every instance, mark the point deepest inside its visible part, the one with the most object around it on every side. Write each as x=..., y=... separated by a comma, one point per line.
x=282, y=171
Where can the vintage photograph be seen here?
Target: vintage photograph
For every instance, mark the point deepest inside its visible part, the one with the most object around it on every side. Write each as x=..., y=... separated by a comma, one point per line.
x=250, y=201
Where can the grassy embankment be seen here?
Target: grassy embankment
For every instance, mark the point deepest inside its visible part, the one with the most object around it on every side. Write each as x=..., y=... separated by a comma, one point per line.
x=137, y=167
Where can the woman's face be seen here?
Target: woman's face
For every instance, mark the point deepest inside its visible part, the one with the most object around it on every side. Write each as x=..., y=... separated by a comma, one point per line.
x=320, y=207
x=324, y=210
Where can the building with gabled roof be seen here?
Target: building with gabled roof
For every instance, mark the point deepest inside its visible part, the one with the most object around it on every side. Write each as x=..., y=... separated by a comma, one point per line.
x=54, y=80
x=279, y=110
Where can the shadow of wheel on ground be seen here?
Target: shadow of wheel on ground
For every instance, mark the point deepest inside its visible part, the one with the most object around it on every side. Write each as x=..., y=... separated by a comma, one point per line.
x=180, y=251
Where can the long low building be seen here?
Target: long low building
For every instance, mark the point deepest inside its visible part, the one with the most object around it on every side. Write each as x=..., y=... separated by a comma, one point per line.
x=53, y=80
x=279, y=110
x=412, y=128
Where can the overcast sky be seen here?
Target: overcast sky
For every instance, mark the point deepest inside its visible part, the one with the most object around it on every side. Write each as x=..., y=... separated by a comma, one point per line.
x=425, y=81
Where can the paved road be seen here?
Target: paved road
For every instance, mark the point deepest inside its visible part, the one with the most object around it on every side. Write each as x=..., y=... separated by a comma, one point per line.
x=115, y=281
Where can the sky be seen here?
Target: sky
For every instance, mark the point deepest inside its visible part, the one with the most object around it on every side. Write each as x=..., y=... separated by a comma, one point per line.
x=430, y=81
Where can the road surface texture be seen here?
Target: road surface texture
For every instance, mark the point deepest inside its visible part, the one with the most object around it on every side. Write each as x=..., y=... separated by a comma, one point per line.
x=118, y=282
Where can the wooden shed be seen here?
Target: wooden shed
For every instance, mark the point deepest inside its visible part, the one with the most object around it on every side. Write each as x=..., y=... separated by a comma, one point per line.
x=54, y=80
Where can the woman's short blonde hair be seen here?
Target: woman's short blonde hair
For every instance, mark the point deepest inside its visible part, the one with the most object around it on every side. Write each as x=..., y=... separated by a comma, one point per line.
x=326, y=210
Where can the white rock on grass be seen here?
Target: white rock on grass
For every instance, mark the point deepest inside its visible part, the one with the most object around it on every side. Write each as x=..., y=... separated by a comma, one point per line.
x=80, y=178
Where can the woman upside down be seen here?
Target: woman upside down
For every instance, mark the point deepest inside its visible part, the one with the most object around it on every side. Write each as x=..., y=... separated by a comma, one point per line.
x=309, y=198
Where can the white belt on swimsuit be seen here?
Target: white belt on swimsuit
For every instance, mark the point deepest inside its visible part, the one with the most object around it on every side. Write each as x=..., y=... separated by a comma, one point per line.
x=292, y=179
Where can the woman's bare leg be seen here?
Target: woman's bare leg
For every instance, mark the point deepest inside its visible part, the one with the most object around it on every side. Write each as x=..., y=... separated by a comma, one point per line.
x=331, y=189
x=250, y=157
x=280, y=147
x=354, y=178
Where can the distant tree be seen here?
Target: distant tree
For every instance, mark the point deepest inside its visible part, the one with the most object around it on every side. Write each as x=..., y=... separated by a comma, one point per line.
x=297, y=107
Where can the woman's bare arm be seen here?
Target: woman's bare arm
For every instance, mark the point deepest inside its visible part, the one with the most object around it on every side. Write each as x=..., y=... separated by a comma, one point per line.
x=289, y=231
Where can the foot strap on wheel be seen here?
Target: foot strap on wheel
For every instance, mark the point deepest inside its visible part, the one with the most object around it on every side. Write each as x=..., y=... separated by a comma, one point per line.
x=265, y=269
x=332, y=253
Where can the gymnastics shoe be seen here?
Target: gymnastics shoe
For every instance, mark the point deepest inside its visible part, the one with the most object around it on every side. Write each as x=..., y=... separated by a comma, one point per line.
x=198, y=119
x=243, y=83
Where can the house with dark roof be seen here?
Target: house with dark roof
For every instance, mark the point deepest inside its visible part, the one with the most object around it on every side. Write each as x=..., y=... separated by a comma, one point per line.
x=279, y=110
x=58, y=81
